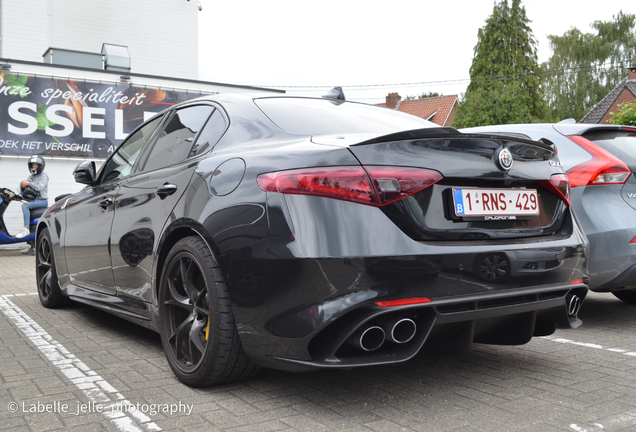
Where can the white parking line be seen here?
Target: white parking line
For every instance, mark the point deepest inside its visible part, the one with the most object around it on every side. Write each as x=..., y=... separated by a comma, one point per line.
x=577, y=428
x=115, y=406
x=589, y=345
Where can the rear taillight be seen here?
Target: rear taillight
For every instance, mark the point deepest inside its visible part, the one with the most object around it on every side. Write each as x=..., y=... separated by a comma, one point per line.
x=558, y=185
x=374, y=185
x=603, y=168
x=345, y=183
x=394, y=183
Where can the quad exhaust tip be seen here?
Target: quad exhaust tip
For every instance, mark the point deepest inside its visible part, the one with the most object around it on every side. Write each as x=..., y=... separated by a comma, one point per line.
x=395, y=329
x=398, y=330
x=573, y=305
x=371, y=338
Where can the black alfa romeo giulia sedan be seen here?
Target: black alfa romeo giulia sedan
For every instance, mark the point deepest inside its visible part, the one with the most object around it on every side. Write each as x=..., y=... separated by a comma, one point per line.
x=299, y=233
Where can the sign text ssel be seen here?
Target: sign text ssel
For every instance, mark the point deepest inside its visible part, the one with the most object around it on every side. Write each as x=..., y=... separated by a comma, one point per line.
x=57, y=117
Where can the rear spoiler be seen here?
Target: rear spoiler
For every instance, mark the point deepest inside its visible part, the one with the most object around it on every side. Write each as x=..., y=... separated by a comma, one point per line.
x=433, y=132
x=448, y=132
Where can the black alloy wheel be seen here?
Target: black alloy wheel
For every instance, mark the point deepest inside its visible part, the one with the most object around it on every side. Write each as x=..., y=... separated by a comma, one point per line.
x=197, y=326
x=48, y=286
x=493, y=267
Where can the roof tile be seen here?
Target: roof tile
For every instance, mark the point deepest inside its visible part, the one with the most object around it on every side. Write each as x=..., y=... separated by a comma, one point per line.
x=436, y=108
x=597, y=113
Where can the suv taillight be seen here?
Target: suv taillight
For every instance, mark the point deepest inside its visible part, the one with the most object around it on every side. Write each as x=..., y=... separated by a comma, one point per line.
x=371, y=185
x=603, y=168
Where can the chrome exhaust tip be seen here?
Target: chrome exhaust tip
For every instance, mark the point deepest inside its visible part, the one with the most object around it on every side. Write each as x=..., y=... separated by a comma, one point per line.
x=369, y=339
x=399, y=330
x=573, y=305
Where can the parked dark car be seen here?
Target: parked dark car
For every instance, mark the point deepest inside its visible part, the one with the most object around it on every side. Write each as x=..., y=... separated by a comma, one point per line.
x=300, y=233
x=599, y=160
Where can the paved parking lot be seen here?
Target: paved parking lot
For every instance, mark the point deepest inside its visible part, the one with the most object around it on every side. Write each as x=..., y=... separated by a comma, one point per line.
x=81, y=369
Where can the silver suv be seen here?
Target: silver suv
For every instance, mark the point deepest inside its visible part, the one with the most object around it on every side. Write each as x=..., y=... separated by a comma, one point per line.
x=599, y=161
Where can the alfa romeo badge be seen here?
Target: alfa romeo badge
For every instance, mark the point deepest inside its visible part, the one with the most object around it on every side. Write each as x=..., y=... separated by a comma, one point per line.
x=505, y=159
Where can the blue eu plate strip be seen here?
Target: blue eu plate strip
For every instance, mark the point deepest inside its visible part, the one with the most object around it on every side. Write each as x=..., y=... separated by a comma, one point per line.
x=459, y=202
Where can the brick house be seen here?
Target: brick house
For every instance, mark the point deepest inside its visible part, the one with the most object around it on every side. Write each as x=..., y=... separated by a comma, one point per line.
x=624, y=92
x=437, y=109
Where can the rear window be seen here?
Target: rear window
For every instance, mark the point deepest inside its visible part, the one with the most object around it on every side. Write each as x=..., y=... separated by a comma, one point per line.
x=570, y=154
x=326, y=117
x=621, y=144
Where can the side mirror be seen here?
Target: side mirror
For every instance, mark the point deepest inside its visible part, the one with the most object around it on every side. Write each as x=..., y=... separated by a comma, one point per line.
x=85, y=173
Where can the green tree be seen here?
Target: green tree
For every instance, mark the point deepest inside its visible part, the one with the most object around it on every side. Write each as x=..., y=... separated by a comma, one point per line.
x=504, y=86
x=423, y=95
x=585, y=67
x=626, y=115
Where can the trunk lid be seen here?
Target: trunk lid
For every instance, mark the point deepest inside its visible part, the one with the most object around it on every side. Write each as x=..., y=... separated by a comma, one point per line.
x=468, y=161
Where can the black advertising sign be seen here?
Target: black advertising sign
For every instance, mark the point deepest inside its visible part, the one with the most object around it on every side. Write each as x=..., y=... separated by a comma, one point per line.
x=57, y=117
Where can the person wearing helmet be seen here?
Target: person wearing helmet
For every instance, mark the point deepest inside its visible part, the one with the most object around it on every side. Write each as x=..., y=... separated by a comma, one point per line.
x=39, y=182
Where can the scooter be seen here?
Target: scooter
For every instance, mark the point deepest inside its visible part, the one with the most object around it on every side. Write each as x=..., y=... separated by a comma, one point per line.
x=6, y=196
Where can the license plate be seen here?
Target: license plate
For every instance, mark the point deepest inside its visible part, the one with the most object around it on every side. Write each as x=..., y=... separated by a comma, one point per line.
x=495, y=202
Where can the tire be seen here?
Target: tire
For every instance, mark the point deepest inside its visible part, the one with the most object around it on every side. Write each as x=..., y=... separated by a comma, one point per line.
x=628, y=296
x=196, y=322
x=46, y=277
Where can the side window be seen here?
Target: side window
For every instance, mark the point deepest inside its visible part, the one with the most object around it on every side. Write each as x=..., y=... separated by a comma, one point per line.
x=176, y=139
x=122, y=161
x=212, y=132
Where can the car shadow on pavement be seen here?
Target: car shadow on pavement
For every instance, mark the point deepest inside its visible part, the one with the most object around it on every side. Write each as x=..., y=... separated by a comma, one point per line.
x=603, y=309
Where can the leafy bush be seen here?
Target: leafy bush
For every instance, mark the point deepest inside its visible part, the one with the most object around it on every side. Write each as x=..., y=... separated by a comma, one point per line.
x=626, y=114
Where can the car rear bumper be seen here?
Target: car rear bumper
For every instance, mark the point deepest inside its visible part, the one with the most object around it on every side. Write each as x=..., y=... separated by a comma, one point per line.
x=612, y=261
x=302, y=295
x=624, y=279
x=445, y=327
x=307, y=313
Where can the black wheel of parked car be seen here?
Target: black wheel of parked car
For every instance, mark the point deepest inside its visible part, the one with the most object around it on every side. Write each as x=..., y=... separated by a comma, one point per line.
x=48, y=287
x=197, y=327
x=493, y=267
x=628, y=296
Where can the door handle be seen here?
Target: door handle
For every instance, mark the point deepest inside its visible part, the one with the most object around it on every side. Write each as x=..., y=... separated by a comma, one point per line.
x=105, y=203
x=165, y=190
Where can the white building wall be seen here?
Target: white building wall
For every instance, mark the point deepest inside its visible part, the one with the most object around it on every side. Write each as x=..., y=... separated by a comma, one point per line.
x=13, y=170
x=24, y=29
x=161, y=35
x=162, y=39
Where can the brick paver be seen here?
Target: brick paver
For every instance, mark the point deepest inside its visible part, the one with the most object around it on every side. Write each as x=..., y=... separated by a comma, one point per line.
x=576, y=380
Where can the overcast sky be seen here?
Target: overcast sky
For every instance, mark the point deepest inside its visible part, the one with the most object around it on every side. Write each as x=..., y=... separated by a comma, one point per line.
x=370, y=49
